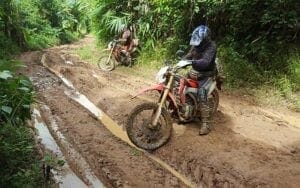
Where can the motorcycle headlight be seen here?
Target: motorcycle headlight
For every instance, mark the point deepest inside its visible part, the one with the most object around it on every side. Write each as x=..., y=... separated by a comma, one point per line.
x=160, y=76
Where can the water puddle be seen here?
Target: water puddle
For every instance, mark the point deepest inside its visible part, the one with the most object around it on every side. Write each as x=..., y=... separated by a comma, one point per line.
x=66, y=177
x=112, y=126
x=69, y=62
x=115, y=129
x=66, y=61
x=73, y=154
x=67, y=82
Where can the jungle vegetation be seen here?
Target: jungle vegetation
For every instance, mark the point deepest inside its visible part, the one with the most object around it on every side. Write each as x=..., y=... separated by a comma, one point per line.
x=28, y=25
x=258, y=43
x=258, y=40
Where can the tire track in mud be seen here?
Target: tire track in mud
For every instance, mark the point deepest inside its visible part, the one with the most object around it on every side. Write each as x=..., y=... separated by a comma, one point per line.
x=65, y=177
x=226, y=157
x=223, y=158
x=117, y=164
x=108, y=122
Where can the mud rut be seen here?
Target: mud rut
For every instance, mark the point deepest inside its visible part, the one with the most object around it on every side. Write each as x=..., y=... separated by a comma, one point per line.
x=249, y=146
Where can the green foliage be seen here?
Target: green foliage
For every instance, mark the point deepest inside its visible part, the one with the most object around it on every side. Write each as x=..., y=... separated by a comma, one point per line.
x=238, y=71
x=52, y=162
x=151, y=18
x=259, y=40
x=19, y=164
x=16, y=94
x=36, y=24
x=87, y=52
x=257, y=29
x=294, y=69
x=8, y=47
x=154, y=58
x=285, y=85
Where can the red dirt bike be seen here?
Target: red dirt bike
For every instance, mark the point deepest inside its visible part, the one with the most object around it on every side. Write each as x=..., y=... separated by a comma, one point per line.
x=117, y=55
x=149, y=124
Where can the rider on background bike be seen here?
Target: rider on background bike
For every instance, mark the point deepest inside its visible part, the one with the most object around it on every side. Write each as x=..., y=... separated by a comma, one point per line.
x=203, y=55
x=127, y=37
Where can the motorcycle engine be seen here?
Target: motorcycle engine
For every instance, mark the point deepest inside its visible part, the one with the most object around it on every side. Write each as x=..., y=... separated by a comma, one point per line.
x=187, y=109
x=125, y=58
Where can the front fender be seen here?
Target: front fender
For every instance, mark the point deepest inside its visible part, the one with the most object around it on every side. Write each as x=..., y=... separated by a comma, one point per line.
x=159, y=88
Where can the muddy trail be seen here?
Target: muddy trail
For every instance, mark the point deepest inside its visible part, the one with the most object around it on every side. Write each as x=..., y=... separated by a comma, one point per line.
x=249, y=146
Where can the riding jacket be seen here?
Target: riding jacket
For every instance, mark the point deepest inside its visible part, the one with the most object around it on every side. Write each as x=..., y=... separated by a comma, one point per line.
x=203, y=56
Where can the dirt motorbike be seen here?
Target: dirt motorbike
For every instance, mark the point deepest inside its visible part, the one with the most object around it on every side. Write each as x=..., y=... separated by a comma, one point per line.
x=149, y=124
x=117, y=55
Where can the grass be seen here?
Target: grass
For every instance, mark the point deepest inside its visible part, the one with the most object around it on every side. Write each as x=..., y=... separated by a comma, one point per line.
x=90, y=52
x=272, y=87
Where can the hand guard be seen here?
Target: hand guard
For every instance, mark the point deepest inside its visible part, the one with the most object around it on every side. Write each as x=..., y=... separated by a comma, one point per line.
x=183, y=63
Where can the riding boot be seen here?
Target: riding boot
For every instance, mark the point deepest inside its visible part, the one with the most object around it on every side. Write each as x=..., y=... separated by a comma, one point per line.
x=130, y=61
x=205, y=119
x=205, y=128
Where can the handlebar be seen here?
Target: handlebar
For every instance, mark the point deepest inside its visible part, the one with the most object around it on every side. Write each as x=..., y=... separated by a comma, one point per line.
x=182, y=64
x=119, y=40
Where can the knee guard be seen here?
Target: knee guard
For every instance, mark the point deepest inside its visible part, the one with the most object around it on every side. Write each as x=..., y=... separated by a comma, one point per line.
x=202, y=94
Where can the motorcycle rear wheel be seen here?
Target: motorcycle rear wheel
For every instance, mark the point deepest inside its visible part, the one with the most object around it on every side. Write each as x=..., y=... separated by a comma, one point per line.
x=106, y=64
x=141, y=135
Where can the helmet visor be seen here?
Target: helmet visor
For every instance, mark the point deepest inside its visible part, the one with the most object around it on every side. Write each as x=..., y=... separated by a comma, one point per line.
x=198, y=35
x=195, y=40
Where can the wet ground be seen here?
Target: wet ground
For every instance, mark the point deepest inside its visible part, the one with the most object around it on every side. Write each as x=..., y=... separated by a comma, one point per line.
x=249, y=145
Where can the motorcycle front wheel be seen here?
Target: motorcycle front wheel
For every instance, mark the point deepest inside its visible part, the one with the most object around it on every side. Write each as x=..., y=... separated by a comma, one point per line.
x=105, y=63
x=139, y=131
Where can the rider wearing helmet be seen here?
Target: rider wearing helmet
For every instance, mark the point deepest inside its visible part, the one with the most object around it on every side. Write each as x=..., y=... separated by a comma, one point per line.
x=203, y=55
x=125, y=38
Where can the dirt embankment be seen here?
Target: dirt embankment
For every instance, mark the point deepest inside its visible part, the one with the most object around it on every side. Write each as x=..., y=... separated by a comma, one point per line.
x=249, y=146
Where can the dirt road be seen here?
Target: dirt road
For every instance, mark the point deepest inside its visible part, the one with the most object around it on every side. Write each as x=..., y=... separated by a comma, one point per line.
x=249, y=146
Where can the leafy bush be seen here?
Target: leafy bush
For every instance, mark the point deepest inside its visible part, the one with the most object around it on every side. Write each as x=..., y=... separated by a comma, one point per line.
x=42, y=39
x=19, y=163
x=238, y=71
x=8, y=47
x=36, y=24
x=257, y=29
x=294, y=69
x=16, y=94
x=259, y=40
x=67, y=36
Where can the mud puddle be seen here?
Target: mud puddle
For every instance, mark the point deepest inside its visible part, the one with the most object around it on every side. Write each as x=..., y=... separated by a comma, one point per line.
x=65, y=177
x=188, y=165
x=246, y=148
x=114, y=161
x=113, y=127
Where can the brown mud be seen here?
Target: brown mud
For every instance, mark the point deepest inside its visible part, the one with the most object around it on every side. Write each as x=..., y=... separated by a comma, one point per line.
x=249, y=145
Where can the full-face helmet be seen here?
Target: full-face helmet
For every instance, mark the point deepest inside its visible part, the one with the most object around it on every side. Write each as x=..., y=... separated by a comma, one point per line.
x=200, y=34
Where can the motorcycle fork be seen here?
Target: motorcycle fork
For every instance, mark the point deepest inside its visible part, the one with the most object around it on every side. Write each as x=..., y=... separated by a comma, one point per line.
x=162, y=102
x=110, y=54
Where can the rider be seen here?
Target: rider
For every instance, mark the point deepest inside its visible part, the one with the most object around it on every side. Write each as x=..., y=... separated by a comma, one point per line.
x=127, y=37
x=203, y=55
